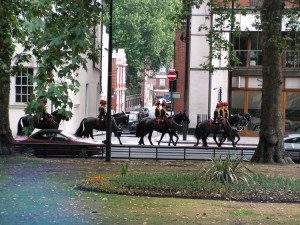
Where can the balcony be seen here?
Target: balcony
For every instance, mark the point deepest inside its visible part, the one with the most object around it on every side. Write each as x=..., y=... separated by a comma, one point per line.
x=255, y=3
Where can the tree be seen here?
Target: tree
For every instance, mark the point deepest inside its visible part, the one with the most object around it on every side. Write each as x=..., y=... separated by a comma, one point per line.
x=145, y=28
x=270, y=148
x=59, y=34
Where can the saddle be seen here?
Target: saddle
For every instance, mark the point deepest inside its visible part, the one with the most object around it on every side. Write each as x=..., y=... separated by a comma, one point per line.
x=100, y=121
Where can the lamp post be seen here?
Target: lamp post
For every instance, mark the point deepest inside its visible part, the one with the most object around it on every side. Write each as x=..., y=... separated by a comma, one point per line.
x=109, y=88
x=230, y=72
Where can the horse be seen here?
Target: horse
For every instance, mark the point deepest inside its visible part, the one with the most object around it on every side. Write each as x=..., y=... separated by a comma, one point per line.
x=121, y=119
x=203, y=129
x=228, y=128
x=87, y=125
x=29, y=120
x=148, y=125
x=236, y=123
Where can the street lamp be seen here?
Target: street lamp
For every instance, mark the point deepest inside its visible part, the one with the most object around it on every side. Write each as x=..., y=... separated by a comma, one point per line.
x=109, y=88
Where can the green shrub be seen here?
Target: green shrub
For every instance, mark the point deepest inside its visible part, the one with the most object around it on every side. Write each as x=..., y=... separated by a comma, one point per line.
x=124, y=169
x=228, y=170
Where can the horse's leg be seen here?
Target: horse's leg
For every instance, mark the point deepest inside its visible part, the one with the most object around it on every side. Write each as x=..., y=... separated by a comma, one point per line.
x=238, y=137
x=204, y=140
x=197, y=143
x=149, y=137
x=170, y=139
x=117, y=135
x=215, y=139
x=176, y=139
x=141, y=141
x=161, y=137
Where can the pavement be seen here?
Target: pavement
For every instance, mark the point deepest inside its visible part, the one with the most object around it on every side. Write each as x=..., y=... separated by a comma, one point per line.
x=130, y=139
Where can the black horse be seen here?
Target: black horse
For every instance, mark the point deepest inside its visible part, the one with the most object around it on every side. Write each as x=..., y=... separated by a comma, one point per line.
x=87, y=125
x=228, y=128
x=236, y=123
x=29, y=120
x=121, y=119
x=148, y=125
x=205, y=128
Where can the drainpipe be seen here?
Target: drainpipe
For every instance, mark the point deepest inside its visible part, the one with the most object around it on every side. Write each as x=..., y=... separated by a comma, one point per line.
x=210, y=63
x=186, y=75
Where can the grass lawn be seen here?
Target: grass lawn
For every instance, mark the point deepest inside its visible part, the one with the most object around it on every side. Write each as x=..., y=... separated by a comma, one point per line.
x=127, y=209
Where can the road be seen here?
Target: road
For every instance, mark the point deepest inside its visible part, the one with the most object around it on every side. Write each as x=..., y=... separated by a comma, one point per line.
x=183, y=151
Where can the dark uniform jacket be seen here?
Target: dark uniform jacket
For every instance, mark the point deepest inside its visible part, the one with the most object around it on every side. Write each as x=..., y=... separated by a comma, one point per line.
x=157, y=112
x=163, y=114
x=102, y=113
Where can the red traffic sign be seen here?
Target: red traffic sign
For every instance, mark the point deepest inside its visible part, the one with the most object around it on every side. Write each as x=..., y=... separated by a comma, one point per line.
x=172, y=75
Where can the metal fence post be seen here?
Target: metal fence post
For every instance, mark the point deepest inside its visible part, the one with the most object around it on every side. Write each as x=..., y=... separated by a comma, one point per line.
x=129, y=153
x=156, y=153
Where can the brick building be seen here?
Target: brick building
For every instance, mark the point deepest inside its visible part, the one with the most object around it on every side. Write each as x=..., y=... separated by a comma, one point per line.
x=206, y=89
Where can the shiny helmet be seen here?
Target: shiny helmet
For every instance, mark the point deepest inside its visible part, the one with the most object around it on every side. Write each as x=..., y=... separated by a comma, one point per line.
x=218, y=105
x=157, y=103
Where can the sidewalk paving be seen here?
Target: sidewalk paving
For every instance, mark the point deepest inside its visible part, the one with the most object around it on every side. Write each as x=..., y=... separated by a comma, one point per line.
x=190, y=139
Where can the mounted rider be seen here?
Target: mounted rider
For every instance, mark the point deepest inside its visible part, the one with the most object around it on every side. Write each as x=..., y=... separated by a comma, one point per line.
x=46, y=118
x=225, y=110
x=163, y=113
x=102, y=112
x=157, y=111
x=217, y=113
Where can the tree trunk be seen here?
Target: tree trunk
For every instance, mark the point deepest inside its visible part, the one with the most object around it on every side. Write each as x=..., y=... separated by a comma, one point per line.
x=6, y=52
x=270, y=148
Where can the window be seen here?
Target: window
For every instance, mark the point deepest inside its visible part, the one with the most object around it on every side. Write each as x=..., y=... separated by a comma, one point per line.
x=24, y=87
x=162, y=82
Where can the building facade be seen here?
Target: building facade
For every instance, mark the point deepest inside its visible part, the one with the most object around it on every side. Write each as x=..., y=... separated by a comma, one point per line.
x=93, y=87
x=206, y=89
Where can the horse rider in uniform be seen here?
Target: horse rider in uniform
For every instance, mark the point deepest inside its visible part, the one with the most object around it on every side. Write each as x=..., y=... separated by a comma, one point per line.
x=225, y=110
x=217, y=113
x=157, y=111
x=46, y=117
x=163, y=113
x=221, y=110
x=102, y=112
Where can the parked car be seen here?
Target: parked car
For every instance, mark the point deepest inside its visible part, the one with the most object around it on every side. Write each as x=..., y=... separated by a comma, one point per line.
x=143, y=112
x=133, y=119
x=291, y=126
x=57, y=142
x=292, y=145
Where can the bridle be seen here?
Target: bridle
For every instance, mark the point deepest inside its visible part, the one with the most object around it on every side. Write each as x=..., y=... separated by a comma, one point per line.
x=177, y=124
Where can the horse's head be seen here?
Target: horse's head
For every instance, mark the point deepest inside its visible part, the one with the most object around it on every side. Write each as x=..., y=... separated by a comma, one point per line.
x=245, y=120
x=57, y=116
x=186, y=118
x=181, y=117
x=121, y=118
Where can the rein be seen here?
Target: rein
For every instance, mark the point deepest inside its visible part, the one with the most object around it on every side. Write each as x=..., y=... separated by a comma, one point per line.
x=173, y=121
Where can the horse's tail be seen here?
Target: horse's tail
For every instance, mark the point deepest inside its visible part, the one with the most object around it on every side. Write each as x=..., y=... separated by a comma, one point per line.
x=80, y=129
x=138, y=131
x=198, y=131
x=20, y=127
